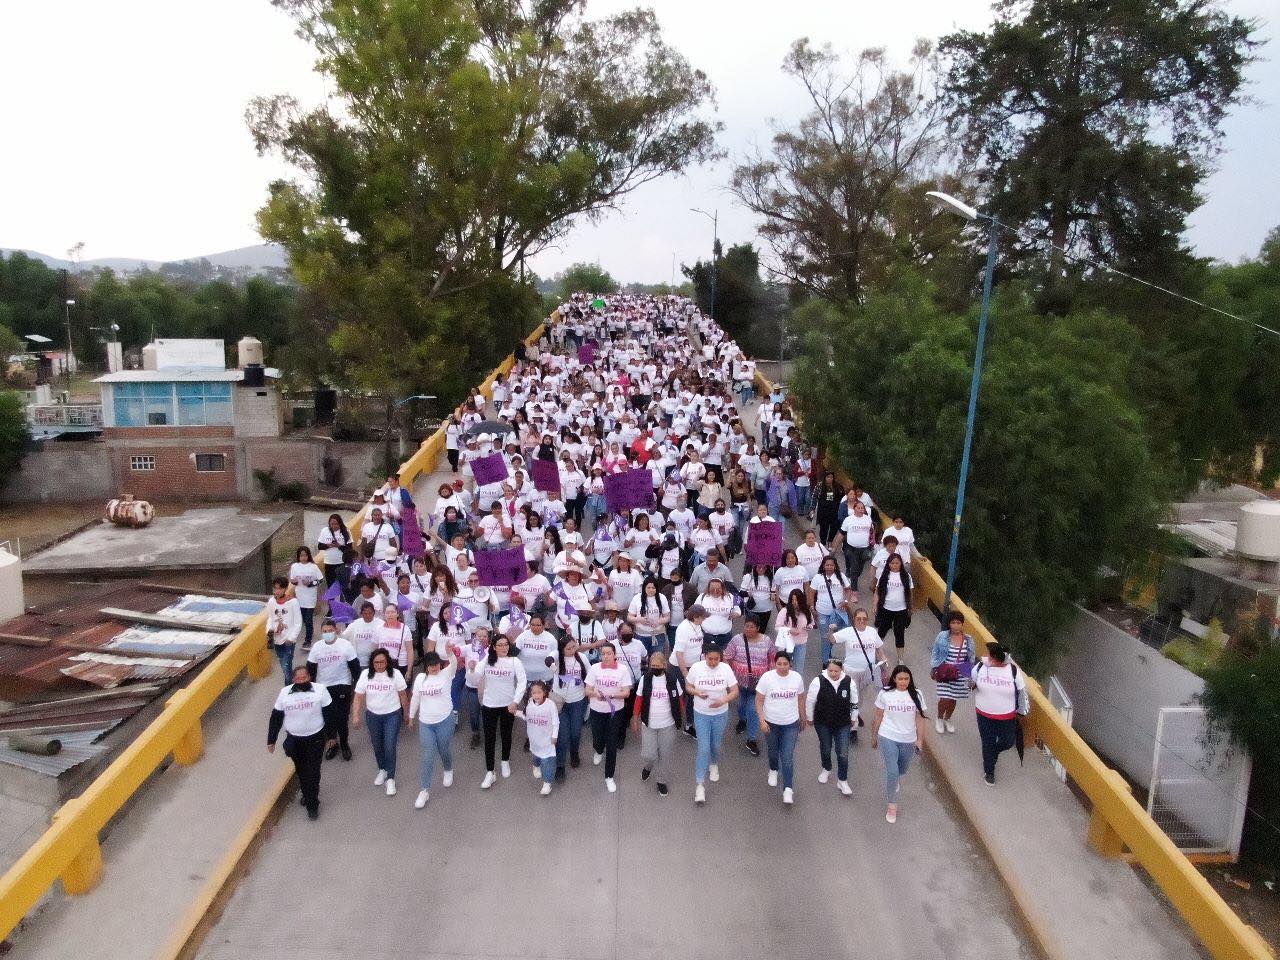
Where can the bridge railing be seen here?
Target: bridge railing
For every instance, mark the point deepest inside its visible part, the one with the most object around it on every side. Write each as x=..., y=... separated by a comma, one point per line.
x=69, y=850
x=1117, y=821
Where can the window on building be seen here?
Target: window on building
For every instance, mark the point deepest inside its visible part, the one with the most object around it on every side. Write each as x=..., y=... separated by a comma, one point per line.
x=157, y=399
x=211, y=462
x=142, y=463
x=204, y=404
x=127, y=401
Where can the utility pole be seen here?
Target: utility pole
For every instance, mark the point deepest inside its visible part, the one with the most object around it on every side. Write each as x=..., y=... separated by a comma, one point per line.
x=715, y=247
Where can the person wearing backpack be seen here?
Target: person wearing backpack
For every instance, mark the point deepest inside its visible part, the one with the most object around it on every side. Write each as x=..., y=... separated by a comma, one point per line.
x=1000, y=696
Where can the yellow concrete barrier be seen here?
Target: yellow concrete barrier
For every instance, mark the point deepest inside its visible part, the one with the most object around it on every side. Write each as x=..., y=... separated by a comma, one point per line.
x=1118, y=822
x=69, y=850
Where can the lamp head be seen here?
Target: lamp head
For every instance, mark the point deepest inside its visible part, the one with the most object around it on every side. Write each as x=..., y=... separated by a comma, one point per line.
x=952, y=205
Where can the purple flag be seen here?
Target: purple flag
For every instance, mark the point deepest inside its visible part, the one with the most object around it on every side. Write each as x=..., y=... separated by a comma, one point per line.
x=587, y=353
x=764, y=543
x=569, y=609
x=502, y=568
x=546, y=475
x=341, y=612
x=628, y=490
x=490, y=469
x=518, y=619
x=403, y=603
x=334, y=592
x=411, y=534
x=458, y=614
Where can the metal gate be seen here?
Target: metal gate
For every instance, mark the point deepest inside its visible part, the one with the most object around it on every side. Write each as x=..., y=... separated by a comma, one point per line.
x=1199, y=783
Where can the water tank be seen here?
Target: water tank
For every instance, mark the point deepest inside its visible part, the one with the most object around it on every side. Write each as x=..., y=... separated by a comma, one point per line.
x=149, y=357
x=124, y=511
x=249, y=350
x=254, y=375
x=1258, y=532
x=12, y=603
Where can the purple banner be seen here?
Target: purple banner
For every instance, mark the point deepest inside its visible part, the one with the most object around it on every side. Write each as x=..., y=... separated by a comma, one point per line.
x=502, y=568
x=764, y=543
x=490, y=469
x=546, y=475
x=411, y=539
x=628, y=490
x=587, y=353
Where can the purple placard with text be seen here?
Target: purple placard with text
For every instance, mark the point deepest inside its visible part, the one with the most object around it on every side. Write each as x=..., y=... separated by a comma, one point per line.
x=628, y=490
x=764, y=543
x=587, y=353
x=490, y=469
x=502, y=568
x=546, y=475
x=411, y=539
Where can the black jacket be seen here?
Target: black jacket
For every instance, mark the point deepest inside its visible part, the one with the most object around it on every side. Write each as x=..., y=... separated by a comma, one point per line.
x=675, y=690
x=834, y=705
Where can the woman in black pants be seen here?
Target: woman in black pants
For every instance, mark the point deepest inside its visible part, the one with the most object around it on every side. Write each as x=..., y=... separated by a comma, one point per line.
x=893, y=601
x=502, y=684
x=826, y=507
x=608, y=687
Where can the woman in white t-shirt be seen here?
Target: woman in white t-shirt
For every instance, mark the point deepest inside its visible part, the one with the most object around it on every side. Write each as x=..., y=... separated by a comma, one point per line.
x=892, y=592
x=829, y=596
x=501, y=683
x=542, y=722
x=432, y=704
x=781, y=708
x=570, y=683
x=381, y=702
x=998, y=687
x=795, y=620
x=713, y=686
x=608, y=686
x=624, y=582
x=863, y=660
x=538, y=649
x=788, y=577
x=658, y=713
x=810, y=553
x=898, y=731
x=305, y=577
x=334, y=539
x=721, y=607
x=650, y=612
x=396, y=638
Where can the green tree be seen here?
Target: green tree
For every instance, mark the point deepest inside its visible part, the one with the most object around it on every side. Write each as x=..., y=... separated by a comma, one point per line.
x=467, y=136
x=585, y=277
x=1062, y=480
x=1095, y=122
x=15, y=434
x=841, y=196
x=741, y=300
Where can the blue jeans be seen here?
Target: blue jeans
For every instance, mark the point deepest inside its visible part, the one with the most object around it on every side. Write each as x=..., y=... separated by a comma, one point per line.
x=721, y=640
x=284, y=653
x=897, y=760
x=436, y=738
x=839, y=738
x=547, y=766
x=824, y=620
x=384, y=731
x=747, y=713
x=797, y=657
x=571, y=719
x=710, y=729
x=782, y=750
x=802, y=499
x=471, y=703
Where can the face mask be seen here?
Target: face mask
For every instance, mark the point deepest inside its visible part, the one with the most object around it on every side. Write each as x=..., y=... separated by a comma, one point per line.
x=330, y=637
x=657, y=671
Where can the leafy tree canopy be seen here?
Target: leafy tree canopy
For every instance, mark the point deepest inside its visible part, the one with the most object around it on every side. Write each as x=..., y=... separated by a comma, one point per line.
x=589, y=277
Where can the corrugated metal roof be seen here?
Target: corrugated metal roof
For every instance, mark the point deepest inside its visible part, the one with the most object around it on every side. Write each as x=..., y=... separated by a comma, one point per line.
x=107, y=671
x=217, y=610
x=165, y=641
x=77, y=747
x=1215, y=537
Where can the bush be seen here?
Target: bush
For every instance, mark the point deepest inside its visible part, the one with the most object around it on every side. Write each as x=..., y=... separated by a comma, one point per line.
x=294, y=491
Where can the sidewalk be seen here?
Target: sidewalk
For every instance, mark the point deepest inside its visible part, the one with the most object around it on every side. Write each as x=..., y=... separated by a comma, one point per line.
x=1079, y=905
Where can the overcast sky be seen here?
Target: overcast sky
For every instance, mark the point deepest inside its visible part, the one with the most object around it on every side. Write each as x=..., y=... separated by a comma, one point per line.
x=124, y=124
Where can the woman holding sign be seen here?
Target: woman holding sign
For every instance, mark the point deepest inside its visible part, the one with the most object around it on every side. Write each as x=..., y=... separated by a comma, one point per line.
x=608, y=686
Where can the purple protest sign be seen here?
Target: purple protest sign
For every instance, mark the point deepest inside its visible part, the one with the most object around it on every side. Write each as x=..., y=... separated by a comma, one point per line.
x=546, y=475
x=490, y=469
x=502, y=568
x=629, y=489
x=764, y=543
x=587, y=353
x=411, y=534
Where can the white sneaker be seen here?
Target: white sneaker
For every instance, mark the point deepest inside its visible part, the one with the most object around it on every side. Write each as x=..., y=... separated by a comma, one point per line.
x=391, y=787
x=537, y=771
x=824, y=776
x=891, y=815
x=773, y=778
x=844, y=787
x=488, y=781
x=951, y=727
x=380, y=779
x=546, y=790
x=938, y=725
x=700, y=794
x=506, y=769
x=448, y=778
x=788, y=795
x=597, y=758
x=610, y=785
x=715, y=773
x=423, y=797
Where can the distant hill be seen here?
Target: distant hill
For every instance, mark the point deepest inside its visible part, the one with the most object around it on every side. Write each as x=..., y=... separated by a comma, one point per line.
x=262, y=257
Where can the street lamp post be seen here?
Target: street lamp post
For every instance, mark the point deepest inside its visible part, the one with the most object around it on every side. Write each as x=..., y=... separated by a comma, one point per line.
x=715, y=242
x=404, y=431
x=66, y=361
x=969, y=213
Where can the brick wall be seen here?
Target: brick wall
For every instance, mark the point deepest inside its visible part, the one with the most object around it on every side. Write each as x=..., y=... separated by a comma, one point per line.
x=149, y=434
x=256, y=411
x=175, y=476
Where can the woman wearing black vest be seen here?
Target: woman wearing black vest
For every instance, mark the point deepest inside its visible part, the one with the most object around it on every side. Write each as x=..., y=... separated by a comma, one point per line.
x=658, y=714
x=830, y=703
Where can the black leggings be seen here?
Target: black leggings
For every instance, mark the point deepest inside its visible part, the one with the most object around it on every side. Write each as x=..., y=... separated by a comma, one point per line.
x=606, y=729
x=338, y=713
x=453, y=459
x=827, y=529
x=496, y=719
x=896, y=620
